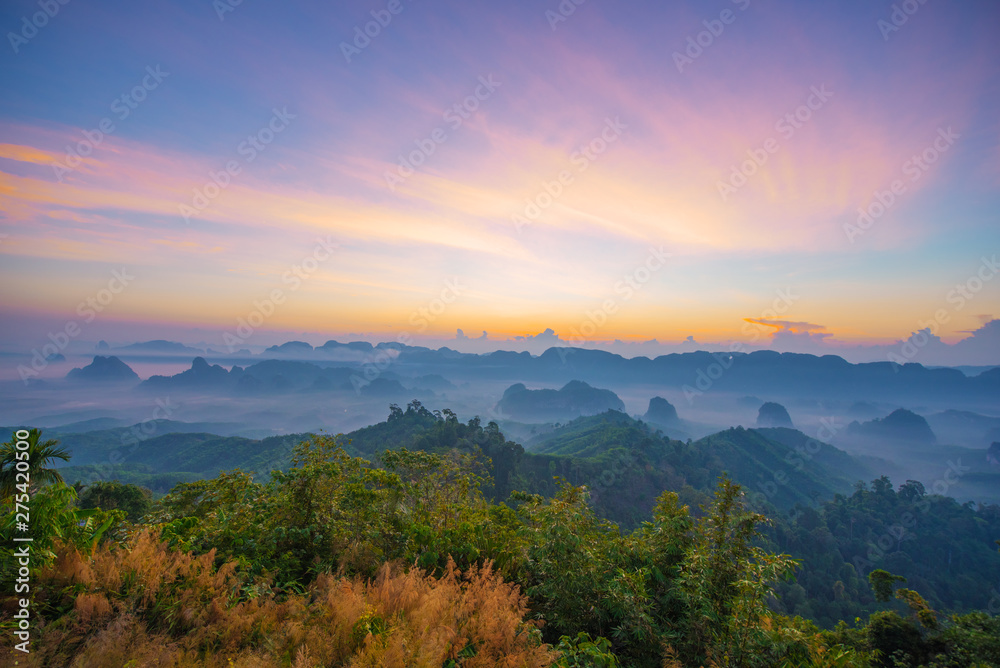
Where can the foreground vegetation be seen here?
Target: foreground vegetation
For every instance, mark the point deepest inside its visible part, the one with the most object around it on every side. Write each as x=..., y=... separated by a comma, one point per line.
x=839, y=529
x=337, y=561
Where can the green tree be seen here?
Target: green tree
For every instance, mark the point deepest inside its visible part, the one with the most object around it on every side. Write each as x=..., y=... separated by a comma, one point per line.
x=882, y=583
x=897, y=640
x=51, y=517
x=38, y=457
x=724, y=582
x=135, y=501
x=574, y=572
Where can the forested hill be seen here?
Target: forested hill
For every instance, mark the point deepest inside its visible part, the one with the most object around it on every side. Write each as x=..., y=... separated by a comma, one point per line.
x=823, y=515
x=433, y=492
x=624, y=462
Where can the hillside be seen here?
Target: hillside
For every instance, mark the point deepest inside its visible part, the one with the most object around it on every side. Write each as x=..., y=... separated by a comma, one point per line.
x=574, y=399
x=900, y=425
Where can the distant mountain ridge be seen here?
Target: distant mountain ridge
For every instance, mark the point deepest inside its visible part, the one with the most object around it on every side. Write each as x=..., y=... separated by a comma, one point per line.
x=696, y=375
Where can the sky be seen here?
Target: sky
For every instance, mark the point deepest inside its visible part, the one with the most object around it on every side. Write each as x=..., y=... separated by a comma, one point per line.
x=801, y=176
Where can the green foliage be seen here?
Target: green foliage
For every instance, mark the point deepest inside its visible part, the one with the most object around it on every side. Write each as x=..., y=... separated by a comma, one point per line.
x=923, y=612
x=38, y=456
x=53, y=518
x=724, y=582
x=133, y=500
x=678, y=589
x=882, y=583
x=943, y=549
x=895, y=639
x=698, y=588
x=331, y=512
x=40, y=506
x=129, y=473
x=571, y=569
x=967, y=640
x=585, y=652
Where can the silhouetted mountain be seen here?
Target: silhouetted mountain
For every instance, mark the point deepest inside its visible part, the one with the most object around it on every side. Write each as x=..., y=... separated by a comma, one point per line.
x=285, y=373
x=201, y=376
x=574, y=399
x=900, y=425
x=759, y=373
x=268, y=376
x=104, y=369
x=773, y=415
x=362, y=346
x=762, y=373
x=293, y=349
x=158, y=346
x=660, y=411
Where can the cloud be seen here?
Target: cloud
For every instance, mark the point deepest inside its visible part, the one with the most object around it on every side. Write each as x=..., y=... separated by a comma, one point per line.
x=28, y=154
x=787, y=325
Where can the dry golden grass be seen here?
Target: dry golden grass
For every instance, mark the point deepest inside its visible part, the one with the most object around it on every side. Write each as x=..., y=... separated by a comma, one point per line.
x=152, y=607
